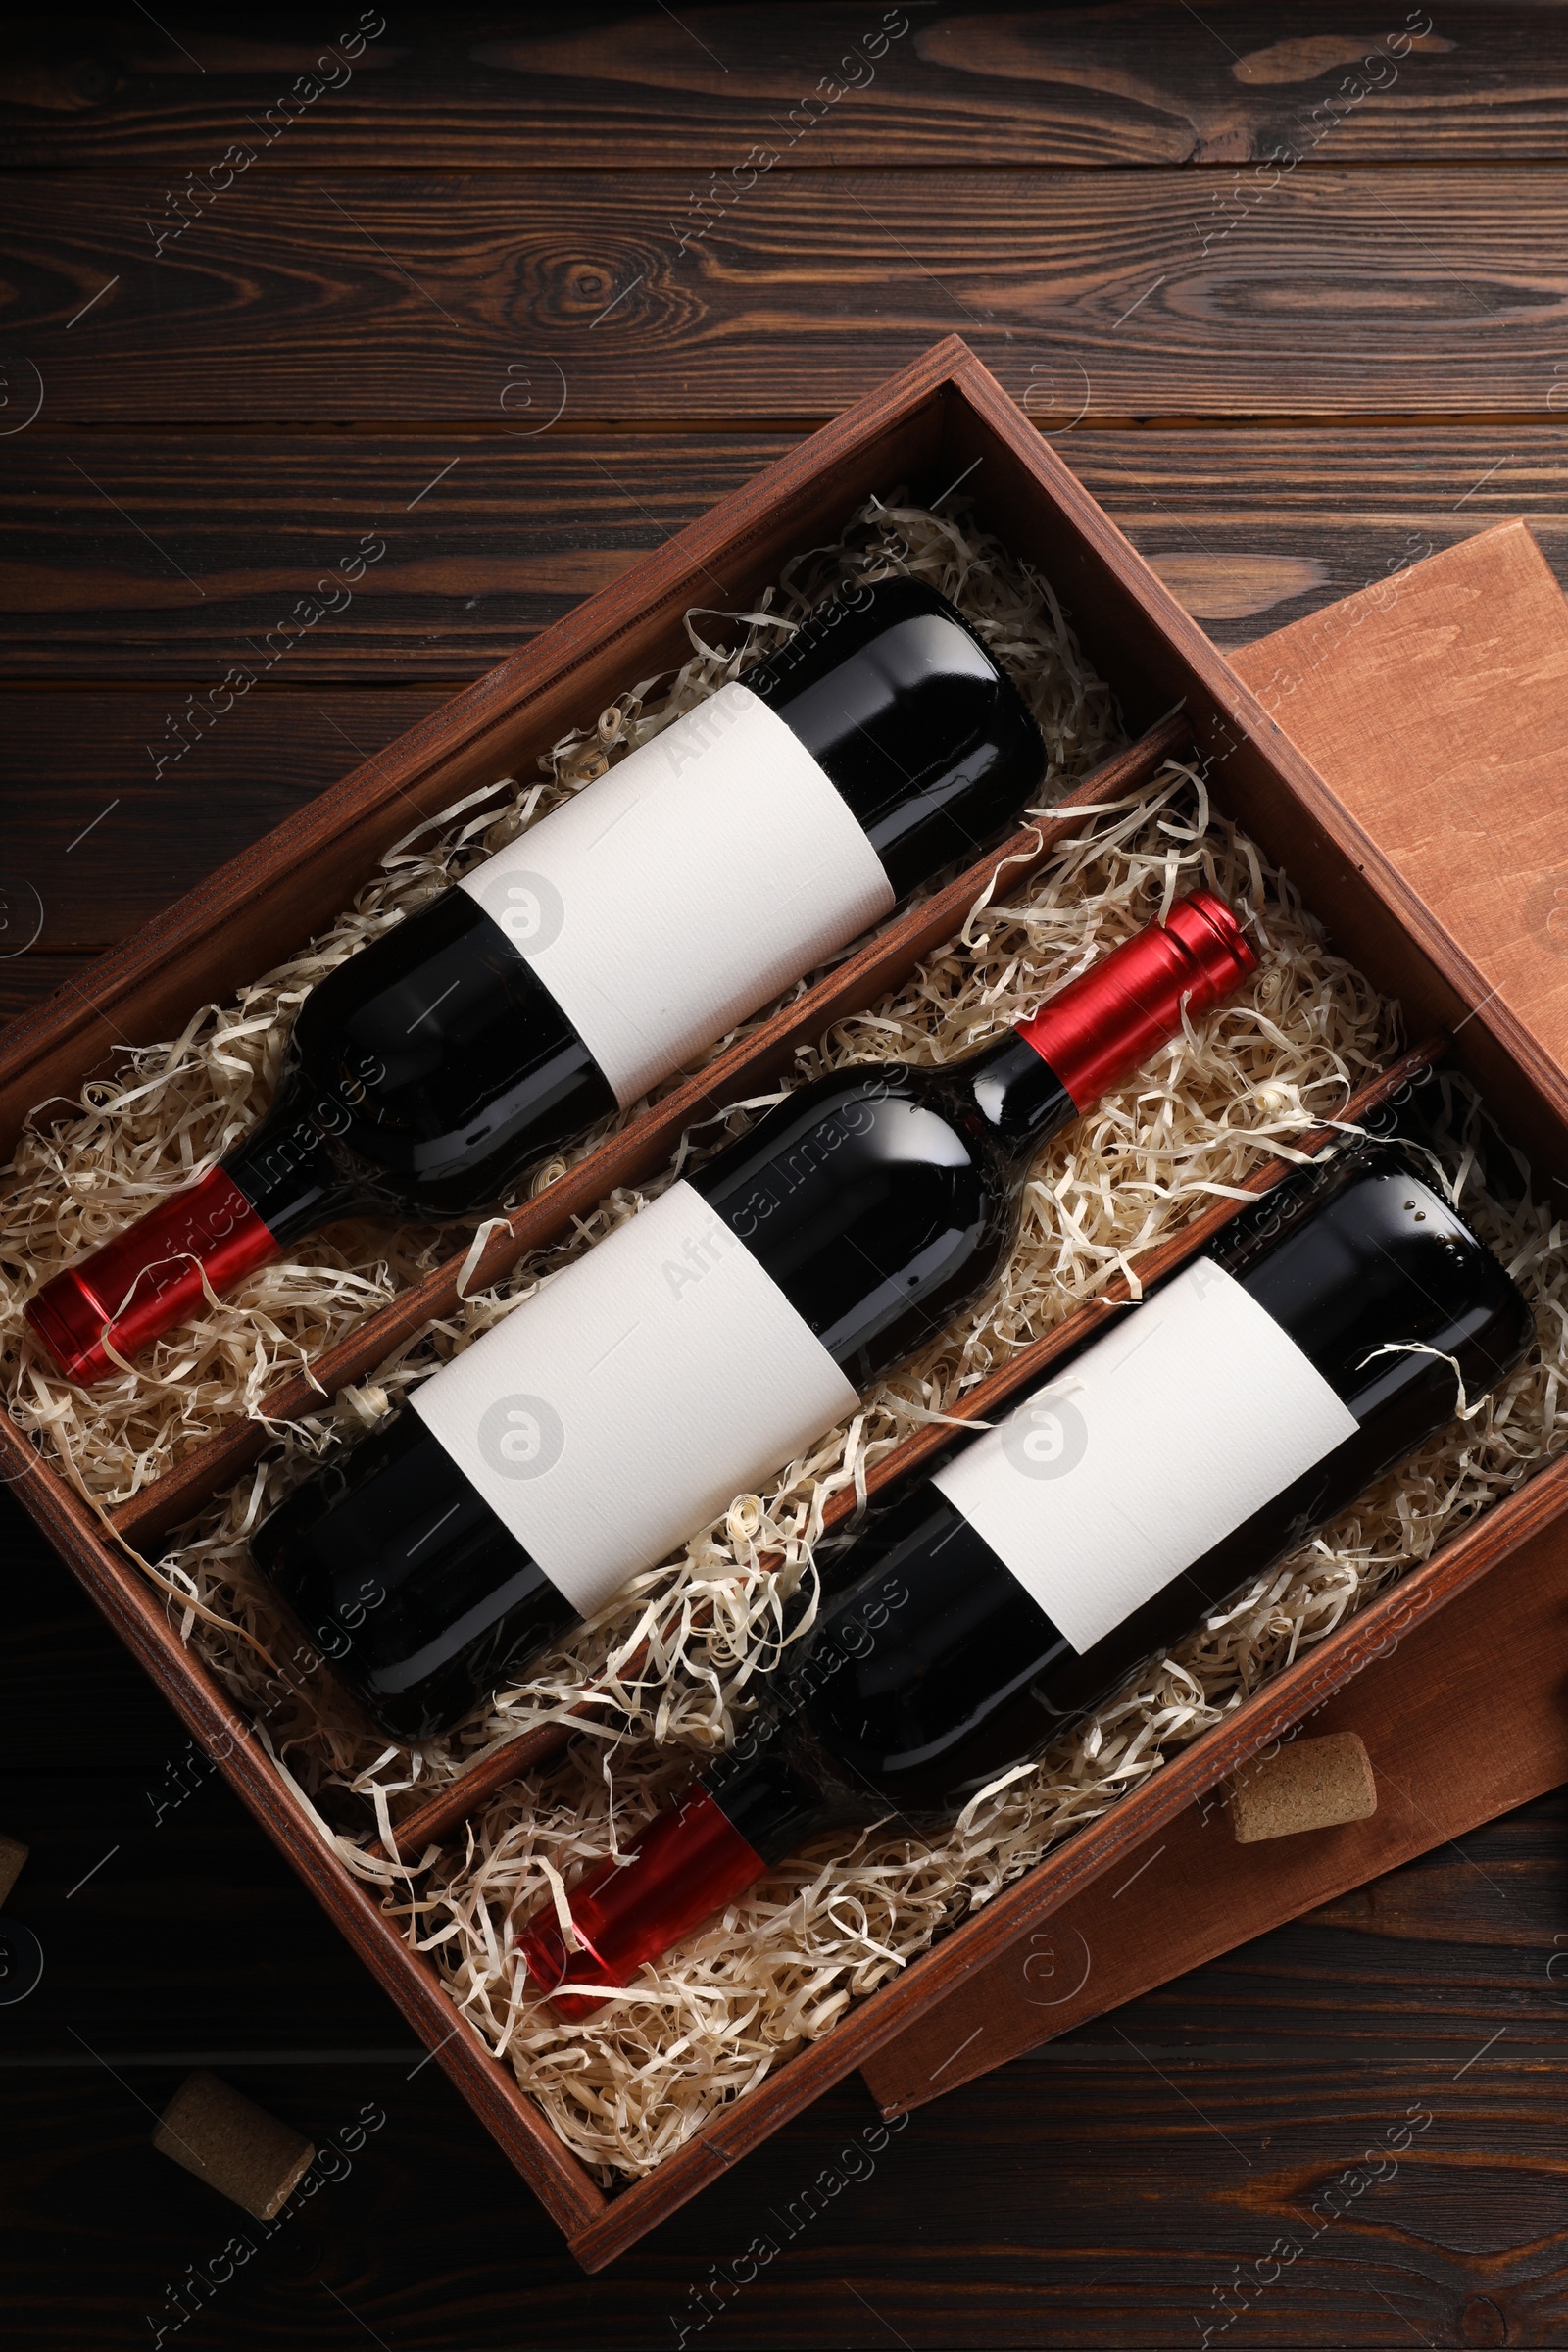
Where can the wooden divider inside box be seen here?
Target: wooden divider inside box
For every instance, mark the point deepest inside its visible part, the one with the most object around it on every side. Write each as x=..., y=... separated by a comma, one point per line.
x=942, y=417
x=643, y=1145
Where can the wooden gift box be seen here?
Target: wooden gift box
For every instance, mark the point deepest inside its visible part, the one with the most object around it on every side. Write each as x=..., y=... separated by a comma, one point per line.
x=942, y=419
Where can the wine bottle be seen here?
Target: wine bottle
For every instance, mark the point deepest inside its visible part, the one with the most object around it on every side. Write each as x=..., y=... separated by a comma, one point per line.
x=600, y=950
x=1203, y=1437
x=704, y=1344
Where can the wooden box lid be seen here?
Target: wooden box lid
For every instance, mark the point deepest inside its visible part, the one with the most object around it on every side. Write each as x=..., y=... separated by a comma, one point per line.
x=1435, y=706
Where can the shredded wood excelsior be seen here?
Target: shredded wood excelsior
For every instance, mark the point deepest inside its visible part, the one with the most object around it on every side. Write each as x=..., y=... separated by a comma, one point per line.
x=628, y=2088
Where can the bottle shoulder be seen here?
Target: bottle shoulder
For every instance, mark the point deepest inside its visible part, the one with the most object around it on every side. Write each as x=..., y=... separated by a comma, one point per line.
x=913, y=719
x=437, y=1063
x=1364, y=1254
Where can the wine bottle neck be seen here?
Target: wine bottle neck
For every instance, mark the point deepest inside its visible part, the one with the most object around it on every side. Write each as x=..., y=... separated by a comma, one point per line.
x=1017, y=1094
x=286, y=1167
x=272, y=1188
x=745, y=1815
x=686, y=1865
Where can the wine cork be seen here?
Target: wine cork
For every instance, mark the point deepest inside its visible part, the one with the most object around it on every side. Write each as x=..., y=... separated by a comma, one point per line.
x=235, y=2147
x=13, y=1854
x=1310, y=1785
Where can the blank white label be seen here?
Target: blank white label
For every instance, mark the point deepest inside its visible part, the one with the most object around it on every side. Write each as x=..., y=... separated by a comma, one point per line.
x=681, y=891
x=634, y=1396
x=1191, y=1413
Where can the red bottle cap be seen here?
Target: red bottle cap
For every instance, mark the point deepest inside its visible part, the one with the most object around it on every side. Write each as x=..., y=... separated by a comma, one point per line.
x=149, y=1277
x=1101, y=1026
x=685, y=1866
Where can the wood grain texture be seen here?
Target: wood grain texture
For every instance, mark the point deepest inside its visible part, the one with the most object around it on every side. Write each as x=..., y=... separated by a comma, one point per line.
x=256, y=910
x=1076, y=2197
x=1073, y=2198
x=106, y=843
x=1439, y=1770
x=513, y=534
x=1123, y=607
x=1250, y=530
x=391, y=297
x=530, y=91
x=1096, y=1848
x=1492, y=736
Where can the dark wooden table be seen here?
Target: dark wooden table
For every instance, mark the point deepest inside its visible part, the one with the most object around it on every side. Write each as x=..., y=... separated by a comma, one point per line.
x=487, y=296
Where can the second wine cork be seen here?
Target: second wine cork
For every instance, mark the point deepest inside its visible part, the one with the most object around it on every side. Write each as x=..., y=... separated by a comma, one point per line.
x=235, y=2147
x=1310, y=1785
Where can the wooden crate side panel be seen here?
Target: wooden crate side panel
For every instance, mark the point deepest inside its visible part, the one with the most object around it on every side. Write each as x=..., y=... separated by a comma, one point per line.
x=1440, y=1769
x=1080, y=1860
x=1477, y=822
x=137, y=1613
x=1257, y=773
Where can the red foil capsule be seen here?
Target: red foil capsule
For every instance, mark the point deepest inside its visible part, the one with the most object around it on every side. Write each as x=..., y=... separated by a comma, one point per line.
x=685, y=1866
x=149, y=1277
x=1099, y=1027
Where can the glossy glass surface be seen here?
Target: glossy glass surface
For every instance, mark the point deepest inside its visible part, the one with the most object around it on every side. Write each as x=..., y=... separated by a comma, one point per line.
x=882, y=1200
x=879, y=1204
x=425, y=1073
x=406, y=1581
x=432, y=1067
x=931, y=1669
x=927, y=739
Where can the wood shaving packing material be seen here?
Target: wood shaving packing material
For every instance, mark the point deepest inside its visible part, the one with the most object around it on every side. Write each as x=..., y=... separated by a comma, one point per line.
x=178, y=1107
x=1303, y=1033
x=175, y=1109
x=782, y=1963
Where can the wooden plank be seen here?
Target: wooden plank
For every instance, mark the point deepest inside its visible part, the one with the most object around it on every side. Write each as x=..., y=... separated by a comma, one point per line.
x=1072, y=2197
x=1492, y=731
x=256, y=908
x=26, y=980
x=533, y=91
x=137, y=1615
x=1440, y=1771
x=510, y=539
x=1076, y=2201
x=1438, y=757
x=410, y=297
x=1099, y=1846
x=1249, y=529
x=96, y=844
